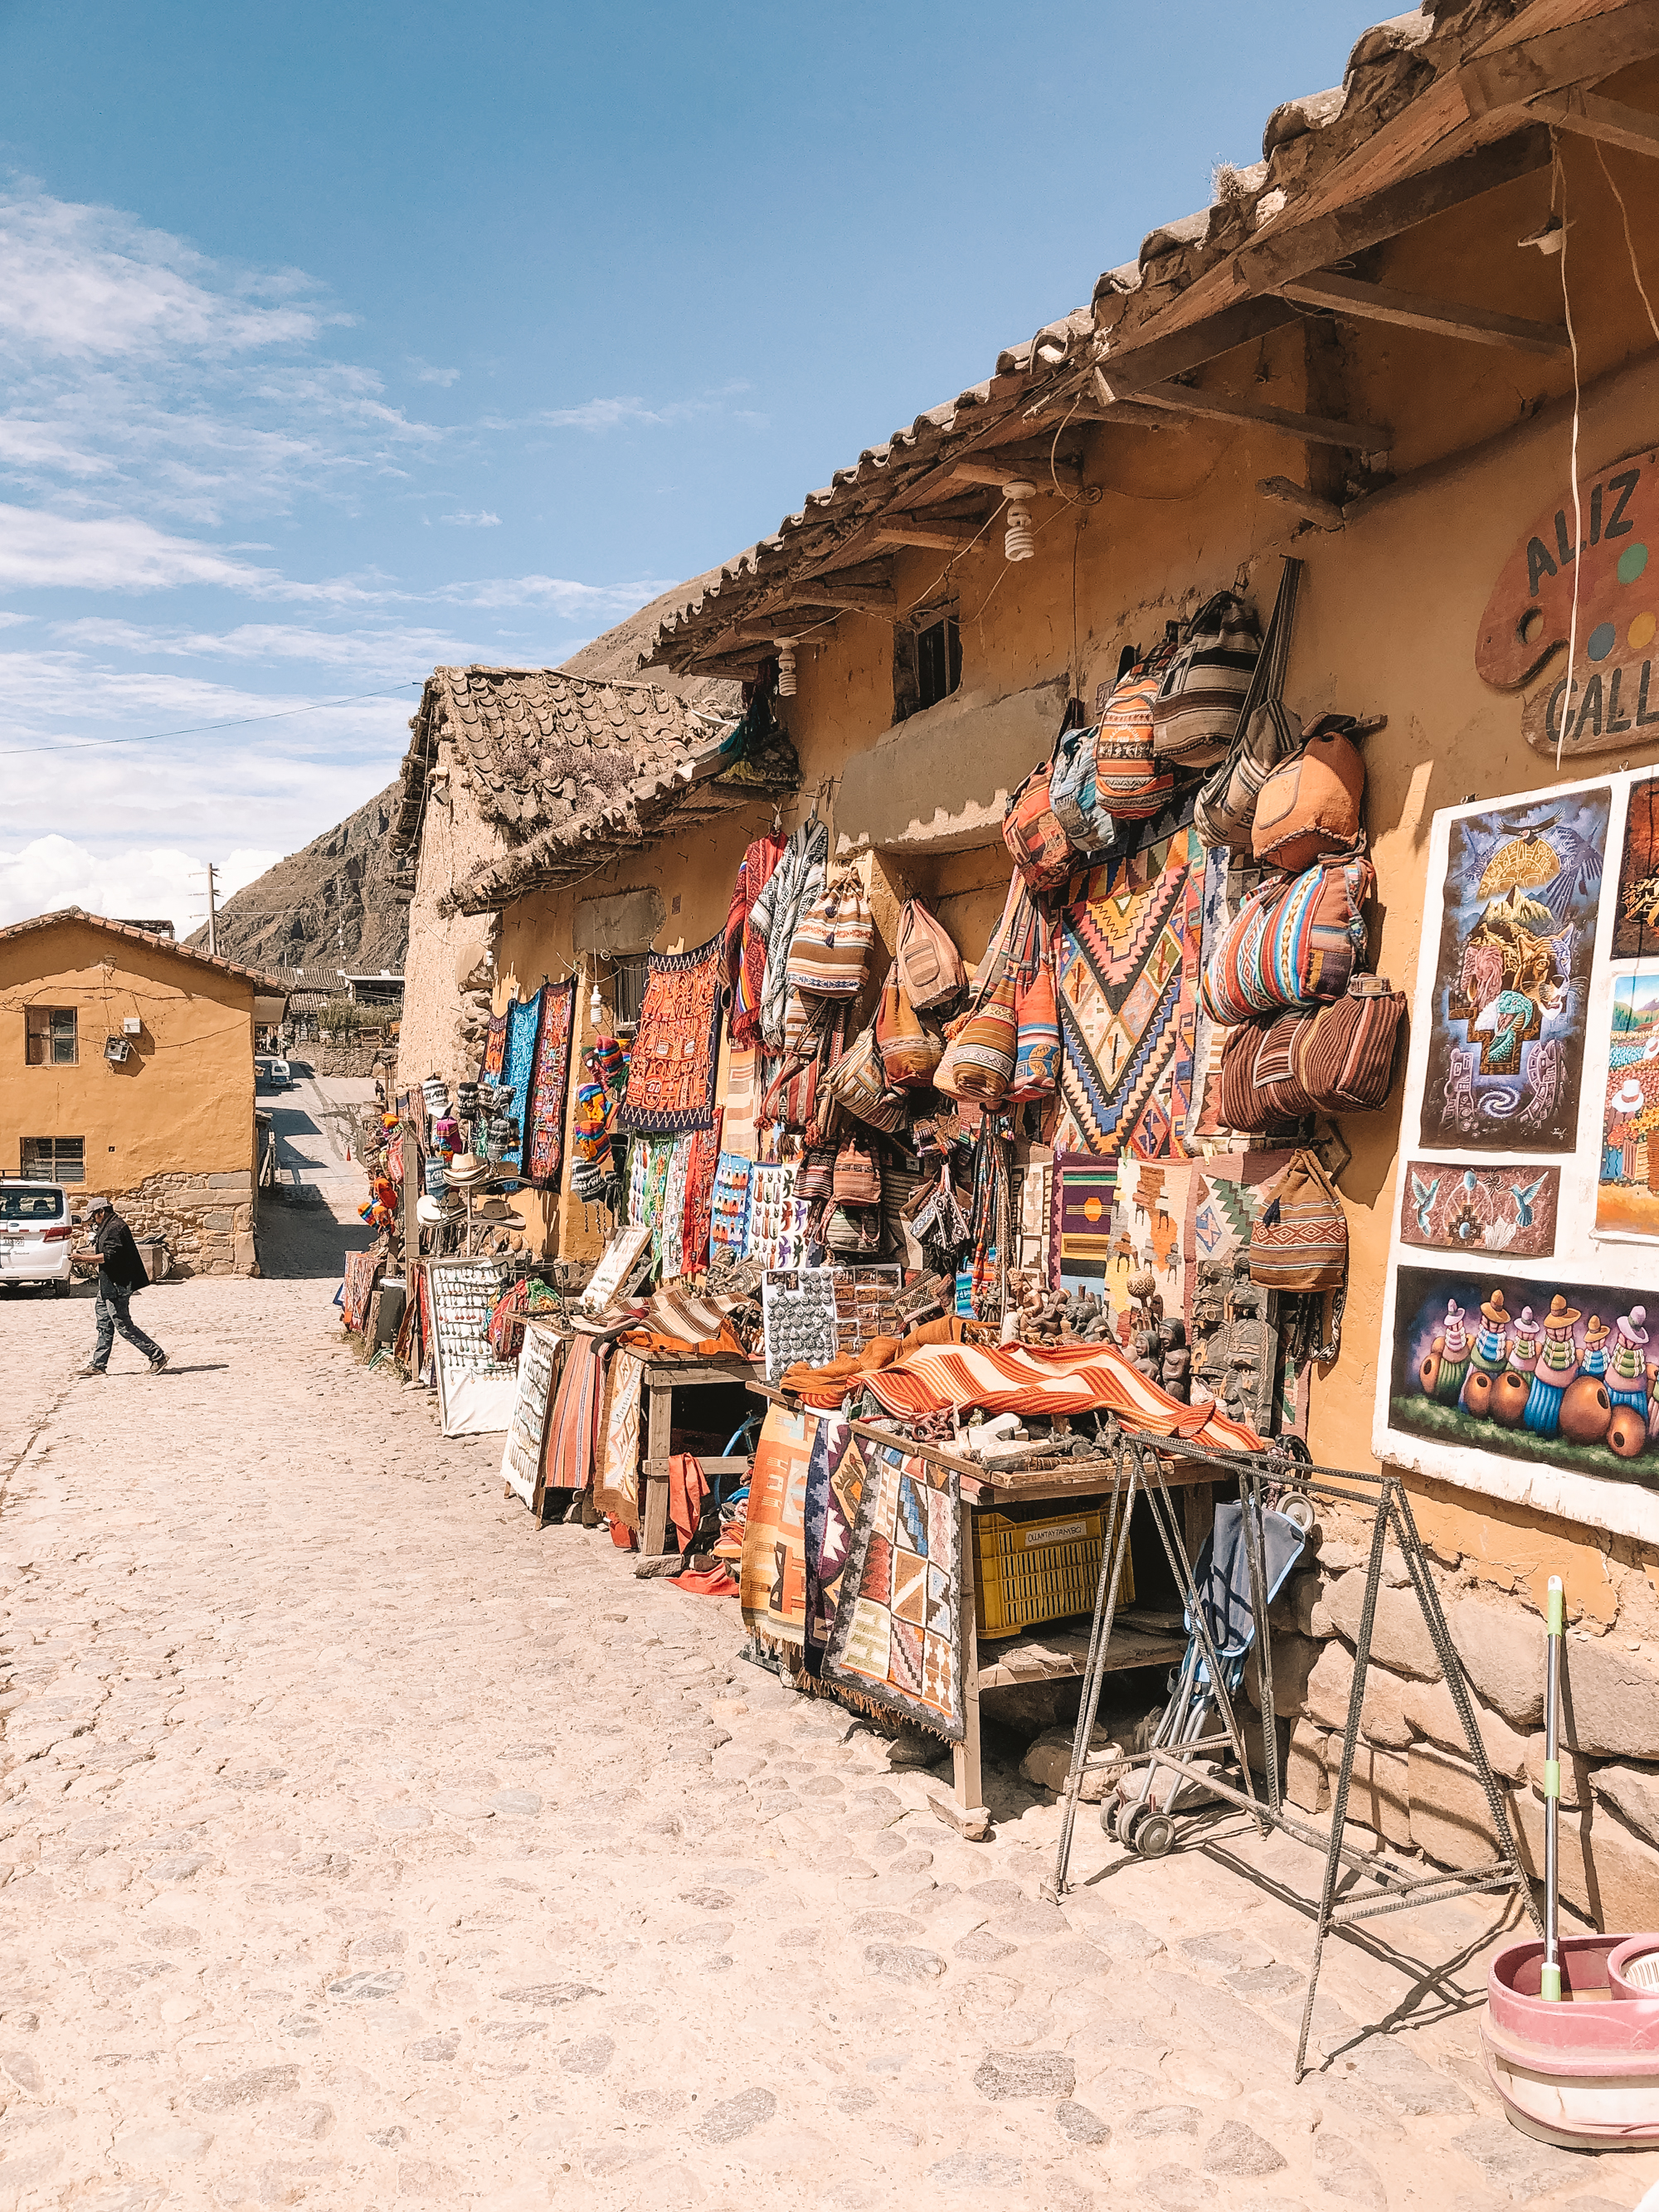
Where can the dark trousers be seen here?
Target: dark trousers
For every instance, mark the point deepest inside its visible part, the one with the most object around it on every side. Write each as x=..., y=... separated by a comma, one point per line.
x=115, y=1312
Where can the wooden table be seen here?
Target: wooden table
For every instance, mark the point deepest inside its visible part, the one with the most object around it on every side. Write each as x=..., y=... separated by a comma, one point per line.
x=1055, y=1650
x=662, y=1377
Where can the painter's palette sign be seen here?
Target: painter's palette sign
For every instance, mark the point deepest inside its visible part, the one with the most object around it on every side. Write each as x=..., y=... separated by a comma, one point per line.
x=1608, y=550
x=1447, y=1207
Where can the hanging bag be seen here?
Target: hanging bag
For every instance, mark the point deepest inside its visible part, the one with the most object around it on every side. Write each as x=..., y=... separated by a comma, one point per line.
x=1344, y=1056
x=1267, y=731
x=1195, y=714
x=1310, y=805
x=1299, y=1240
x=1131, y=784
x=1036, y=1038
x=978, y=1061
x=1074, y=793
x=1292, y=944
x=814, y=1178
x=792, y=1097
x=829, y=951
x=1033, y=834
x=910, y=1049
x=857, y=1178
x=929, y=965
x=857, y=1084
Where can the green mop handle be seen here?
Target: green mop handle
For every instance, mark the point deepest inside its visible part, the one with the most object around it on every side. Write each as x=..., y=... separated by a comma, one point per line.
x=1550, y=1979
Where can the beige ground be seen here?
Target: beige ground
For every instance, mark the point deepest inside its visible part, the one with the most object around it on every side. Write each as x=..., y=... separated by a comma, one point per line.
x=361, y=1843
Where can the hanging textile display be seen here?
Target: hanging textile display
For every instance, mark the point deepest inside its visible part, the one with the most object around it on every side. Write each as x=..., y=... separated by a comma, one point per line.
x=777, y=1218
x=550, y=1086
x=773, y=1583
x=835, y=1483
x=702, y=1166
x=573, y=1422
x=729, y=1226
x=1228, y=882
x=362, y=1272
x=649, y=1161
x=895, y=1639
x=668, y=1228
x=617, y=1454
x=524, y=1022
x=671, y=1073
x=1080, y=1220
x=494, y=1051
x=740, y=1130
x=796, y=880
x=745, y=946
x=1127, y=960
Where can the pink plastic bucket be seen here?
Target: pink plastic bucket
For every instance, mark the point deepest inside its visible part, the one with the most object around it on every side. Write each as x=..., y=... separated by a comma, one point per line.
x=1585, y=2072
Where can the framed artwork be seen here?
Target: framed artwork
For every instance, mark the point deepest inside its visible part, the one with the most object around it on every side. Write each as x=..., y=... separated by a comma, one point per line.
x=617, y=1266
x=1444, y=1207
x=1518, y=895
x=1627, y=1178
x=1636, y=917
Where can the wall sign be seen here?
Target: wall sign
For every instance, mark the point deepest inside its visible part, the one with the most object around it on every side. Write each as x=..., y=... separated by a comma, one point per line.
x=1614, y=700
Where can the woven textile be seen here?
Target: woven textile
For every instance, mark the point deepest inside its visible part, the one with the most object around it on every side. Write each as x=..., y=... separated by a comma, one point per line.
x=835, y=1483
x=773, y=1582
x=746, y=948
x=1223, y=1200
x=494, y=1049
x=524, y=1022
x=895, y=1642
x=1228, y=882
x=550, y=1086
x=1081, y=1215
x=700, y=1172
x=668, y=1232
x=649, y=1164
x=1023, y=1379
x=729, y=1228
x=1127, y=962
x=573, y=1422
x=740, y=1129
x=362, y=1271
x=617, y=1462
x=671, y=1075
x=796, y=880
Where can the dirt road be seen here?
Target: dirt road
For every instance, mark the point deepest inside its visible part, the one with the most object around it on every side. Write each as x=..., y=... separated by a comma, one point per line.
x=361, y=1844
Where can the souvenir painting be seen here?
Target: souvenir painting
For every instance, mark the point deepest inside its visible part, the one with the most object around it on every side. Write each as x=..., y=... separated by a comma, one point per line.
x=1627, y=1187
x=1451, y=1208
x=1511, y=981
x=1554, y=1374
x=1636, y=918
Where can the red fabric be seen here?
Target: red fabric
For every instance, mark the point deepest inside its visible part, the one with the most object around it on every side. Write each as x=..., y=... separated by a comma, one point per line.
x=699, y=1218
x=1059, y=1379
x=622, y=1536
x=688, y=1489
x=707, y=1581
x=746, y=952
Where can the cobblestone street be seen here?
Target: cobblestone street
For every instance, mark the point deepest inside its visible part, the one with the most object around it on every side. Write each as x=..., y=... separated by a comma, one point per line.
x=363, y=1845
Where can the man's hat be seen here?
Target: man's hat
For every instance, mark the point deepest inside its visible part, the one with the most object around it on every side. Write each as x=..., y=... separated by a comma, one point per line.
x=96, y=1206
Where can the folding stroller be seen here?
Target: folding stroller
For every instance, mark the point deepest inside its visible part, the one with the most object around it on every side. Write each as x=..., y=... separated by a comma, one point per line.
x=1140, y=1813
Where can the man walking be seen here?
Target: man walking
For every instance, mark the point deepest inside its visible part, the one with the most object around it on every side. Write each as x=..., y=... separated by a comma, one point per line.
x=120, y=1273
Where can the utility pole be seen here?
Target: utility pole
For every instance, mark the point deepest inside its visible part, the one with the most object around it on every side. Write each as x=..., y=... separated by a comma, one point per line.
x=213, y=919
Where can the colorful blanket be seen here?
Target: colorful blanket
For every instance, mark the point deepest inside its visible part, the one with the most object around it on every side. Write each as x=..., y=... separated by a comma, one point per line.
x=897, y=1639
x=1115, y=1221
x=617, y=1460
x=773, y=1582
x=524, y=1023
x=700, y=1197
x=572, y=1423
x=671, y=1074
x=729, y=1229
x=1066, y=1379
x=1127, y=970
x=835, y=1483
x=494, y=1051
x=740, y=1131
x=1081, y=1198
x=549, y=1084
x=362, y=1272
x=669, y=1230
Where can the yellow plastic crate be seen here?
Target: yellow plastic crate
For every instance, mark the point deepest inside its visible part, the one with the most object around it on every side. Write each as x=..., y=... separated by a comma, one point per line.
x=1043, y=1568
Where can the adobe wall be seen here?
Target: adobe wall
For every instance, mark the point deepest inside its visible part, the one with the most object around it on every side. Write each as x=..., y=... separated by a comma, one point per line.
x=433, y=1037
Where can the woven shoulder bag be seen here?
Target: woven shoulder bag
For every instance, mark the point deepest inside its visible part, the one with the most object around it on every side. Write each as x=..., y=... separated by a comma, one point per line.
x=1195, y=714
x=929, y=965
x=1266, y=731
x=829, y=951
x=1299, y=1241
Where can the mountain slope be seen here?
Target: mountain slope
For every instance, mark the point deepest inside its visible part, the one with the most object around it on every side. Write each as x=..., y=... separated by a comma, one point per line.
x=338, y=886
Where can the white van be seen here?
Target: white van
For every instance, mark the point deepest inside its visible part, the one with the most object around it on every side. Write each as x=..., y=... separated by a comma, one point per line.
x=36, y=1234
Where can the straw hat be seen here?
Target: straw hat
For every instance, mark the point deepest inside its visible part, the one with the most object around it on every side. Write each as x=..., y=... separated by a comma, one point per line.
x=432, y=1213
x=1493, y=1310
x=1561, y=1315
x=493, y=1209
x=1595, y=1332
x=466, y=1169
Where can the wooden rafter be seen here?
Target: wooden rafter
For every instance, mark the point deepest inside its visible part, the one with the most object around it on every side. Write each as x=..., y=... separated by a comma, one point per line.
x=943, y=535
x=1589, y=116
x=1413, y=311
x=1223, y=407
x=1000, y=473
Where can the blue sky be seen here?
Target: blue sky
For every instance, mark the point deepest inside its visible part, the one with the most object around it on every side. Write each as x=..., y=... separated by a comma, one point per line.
x=338, y=341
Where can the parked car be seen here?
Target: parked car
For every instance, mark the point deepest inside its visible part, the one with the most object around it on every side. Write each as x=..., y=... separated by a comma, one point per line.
x=36, y=1235
x=271, y=1072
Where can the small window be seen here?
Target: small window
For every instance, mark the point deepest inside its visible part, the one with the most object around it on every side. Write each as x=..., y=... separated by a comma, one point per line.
x=628, y=975
x=55, y=1159
x=51, y=1037
x=927, y=659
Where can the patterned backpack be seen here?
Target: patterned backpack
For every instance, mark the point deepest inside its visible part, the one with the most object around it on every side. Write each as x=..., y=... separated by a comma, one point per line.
x=1074, y=793
x=1299, y=1241
x=829, y=951
x=1131, y=784
x=1035, y=835
x=1266, y=731
x=1195, y=715
x=929, y=965
x=1292, y=943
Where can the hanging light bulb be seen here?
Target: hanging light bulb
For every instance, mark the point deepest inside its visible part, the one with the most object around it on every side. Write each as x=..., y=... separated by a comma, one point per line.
x=595, y=1008
x=786, y=667
x=1018, y=543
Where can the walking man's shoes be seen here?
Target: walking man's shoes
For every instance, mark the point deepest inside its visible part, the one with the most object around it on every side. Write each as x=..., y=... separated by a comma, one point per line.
x=88, y=1371
x=158, y=1363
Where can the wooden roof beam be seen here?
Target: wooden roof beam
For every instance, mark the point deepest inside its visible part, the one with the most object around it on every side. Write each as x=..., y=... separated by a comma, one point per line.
x=1576, y=53
x=941, y=535
x=851, y=599
x=1002, y=473
x=1411, y=311
x=1588, y=115
x=1313, y=429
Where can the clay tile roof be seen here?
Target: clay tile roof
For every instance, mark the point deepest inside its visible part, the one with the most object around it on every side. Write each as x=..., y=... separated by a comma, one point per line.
x=1399, y=114
x=267, y=986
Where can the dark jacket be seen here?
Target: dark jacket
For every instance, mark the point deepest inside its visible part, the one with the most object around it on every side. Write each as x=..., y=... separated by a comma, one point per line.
x=113, y=1241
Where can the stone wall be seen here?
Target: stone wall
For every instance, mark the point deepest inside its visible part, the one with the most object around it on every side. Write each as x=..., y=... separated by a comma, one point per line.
x=318, y=1058
x=207, y=1220
x=1414, y=1782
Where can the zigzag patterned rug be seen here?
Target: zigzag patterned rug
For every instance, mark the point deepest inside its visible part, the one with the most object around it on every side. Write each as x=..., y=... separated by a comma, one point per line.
x=1128, y=967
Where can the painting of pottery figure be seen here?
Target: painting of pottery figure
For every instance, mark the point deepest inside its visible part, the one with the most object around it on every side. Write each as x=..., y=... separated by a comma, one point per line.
x=1506, y=1043
x=1560, y=1375
x=1627, y=1188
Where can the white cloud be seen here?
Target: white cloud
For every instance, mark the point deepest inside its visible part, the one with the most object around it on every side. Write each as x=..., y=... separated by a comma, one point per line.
x=394, y=652
x=557, y=593
x=133, y=884
x=116, y=553
x=425, y=373
x=483, y=520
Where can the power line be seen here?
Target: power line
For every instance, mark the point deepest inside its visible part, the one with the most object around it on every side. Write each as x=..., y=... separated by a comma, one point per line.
x=199, y=729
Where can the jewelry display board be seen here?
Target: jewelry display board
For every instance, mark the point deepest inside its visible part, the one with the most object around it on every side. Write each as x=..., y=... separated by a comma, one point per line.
x=476, y=1390
x=539, y=1363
